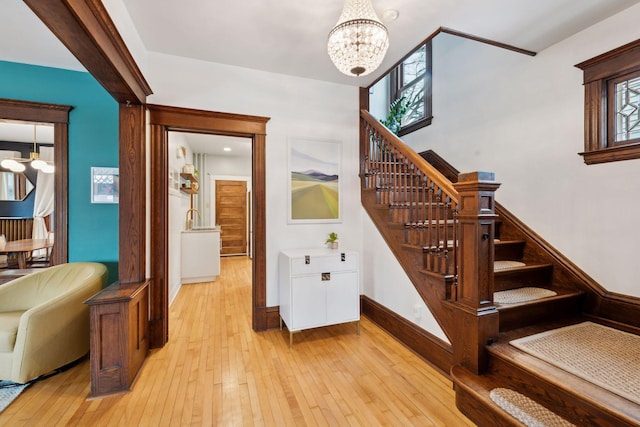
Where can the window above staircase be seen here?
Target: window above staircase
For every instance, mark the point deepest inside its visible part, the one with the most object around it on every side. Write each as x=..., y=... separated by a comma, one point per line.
x=612, y=105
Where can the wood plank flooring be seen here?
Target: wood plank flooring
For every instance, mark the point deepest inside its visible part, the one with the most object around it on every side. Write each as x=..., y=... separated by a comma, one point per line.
x=215, y=371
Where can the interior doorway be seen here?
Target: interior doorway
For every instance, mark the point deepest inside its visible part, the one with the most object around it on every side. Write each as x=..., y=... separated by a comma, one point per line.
x=58, y=116
x=163, y=119
x=231, y=216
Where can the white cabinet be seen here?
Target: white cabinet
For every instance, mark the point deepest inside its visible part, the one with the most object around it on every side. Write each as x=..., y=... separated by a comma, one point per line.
x=318, y=287
x=200, y=255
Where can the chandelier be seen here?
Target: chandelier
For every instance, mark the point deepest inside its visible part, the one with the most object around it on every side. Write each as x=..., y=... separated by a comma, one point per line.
x=359, y=41
x=17, y=164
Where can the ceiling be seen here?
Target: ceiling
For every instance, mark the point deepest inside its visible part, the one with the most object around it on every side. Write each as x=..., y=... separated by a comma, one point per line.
x=23, y=132
x=215, y=145
x=289, y=37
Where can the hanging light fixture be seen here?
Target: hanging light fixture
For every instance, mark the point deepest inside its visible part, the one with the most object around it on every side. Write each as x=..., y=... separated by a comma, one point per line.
x=359, y=41
x=16, y=164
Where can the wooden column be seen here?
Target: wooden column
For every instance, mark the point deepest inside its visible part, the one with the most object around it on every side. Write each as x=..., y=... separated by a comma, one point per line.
x=476, y=315
x=133, y=188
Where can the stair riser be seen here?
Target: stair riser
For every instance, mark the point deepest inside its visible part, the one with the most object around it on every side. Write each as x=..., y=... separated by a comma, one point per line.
x=512, y=279
x=478, y=413
x=510, y=251
x=531, y=314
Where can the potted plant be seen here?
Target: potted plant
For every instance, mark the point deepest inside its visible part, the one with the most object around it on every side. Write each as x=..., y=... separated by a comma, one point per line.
x=332, y=240
x=397, y=111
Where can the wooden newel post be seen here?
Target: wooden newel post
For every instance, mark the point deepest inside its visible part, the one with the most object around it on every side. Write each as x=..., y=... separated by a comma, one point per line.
x=475, y=313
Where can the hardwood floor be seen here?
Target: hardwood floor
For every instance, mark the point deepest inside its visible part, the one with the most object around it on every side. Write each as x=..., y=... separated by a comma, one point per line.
x=216, y=371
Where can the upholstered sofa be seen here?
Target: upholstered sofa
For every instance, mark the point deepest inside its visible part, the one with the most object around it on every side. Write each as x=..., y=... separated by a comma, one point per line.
x=44, y=323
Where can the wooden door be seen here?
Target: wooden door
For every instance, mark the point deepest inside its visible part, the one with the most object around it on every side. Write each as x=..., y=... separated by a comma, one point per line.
x=231, y=215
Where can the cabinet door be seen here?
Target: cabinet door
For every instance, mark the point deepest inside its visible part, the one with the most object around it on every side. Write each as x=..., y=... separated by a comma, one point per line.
x=308, y=302
x=343, y=298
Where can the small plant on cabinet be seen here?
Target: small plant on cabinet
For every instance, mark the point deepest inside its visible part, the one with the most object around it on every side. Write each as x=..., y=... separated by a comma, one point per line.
x=332, y=240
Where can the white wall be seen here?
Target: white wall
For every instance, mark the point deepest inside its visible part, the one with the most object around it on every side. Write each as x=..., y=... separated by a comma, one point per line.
x=522, y=118
x=494, y=110
x=297, y=108
x=178, y=205
x=385, y=281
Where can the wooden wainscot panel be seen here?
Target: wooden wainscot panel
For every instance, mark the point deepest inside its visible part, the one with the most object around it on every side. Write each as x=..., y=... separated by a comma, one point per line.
x=119, y=336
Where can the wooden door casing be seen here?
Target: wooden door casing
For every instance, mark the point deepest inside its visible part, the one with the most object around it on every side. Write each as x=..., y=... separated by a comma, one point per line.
x=231, y=215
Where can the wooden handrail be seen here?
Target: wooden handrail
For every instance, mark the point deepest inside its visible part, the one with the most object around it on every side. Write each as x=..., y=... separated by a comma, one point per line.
x=438, y=178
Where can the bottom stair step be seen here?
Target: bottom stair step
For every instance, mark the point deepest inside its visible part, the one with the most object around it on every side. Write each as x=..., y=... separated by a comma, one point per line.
x=576, y=399
x=474, y=401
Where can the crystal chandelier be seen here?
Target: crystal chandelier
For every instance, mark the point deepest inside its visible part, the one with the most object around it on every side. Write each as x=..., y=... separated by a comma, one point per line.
x=359, y=41
x=16, y=164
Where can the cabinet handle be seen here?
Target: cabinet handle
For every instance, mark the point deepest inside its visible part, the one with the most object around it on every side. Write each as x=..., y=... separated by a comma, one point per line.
x=326, y=277
x=307, y=259
x=343, y=257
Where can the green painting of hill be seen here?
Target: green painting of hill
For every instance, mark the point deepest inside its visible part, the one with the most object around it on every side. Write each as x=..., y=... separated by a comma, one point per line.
x=312, y=199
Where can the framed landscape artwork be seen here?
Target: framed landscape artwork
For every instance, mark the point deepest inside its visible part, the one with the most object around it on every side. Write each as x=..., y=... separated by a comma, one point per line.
x=314, y=181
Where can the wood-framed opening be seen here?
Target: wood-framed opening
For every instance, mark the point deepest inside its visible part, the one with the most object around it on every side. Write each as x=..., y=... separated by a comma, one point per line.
x=58, y=115
x=163, y=119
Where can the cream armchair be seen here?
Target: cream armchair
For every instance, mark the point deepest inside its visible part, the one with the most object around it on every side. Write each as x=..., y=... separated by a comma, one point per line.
x=44, y=323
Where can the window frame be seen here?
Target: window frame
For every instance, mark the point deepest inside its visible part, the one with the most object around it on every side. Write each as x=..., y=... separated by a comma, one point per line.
x=599, y=75
x=612, y=110
x=397, y=86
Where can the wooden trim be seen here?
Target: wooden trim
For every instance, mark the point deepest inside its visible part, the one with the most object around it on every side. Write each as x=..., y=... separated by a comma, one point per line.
x=159, y=238
x=612, y=154
x=259, y=267
x=60, y=254
x=132, y=213
x=363, y=99
x=164, y=119
x=192, y=120
x=57, y=114
x=431, y=348
x=273, y=317
x=85, y=28
x=615, y=62
x=13, y=109
x=487, y=41
x=457, y=34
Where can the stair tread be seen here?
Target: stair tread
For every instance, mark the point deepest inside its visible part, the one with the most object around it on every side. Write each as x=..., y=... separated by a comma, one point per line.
x=559, y=378
x=561, y=293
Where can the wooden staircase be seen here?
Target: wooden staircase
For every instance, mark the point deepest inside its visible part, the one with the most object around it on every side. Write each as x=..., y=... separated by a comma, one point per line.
x=415, y=202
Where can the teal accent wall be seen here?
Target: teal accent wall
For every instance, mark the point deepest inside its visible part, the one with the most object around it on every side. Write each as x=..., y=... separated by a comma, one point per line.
x=93, y=141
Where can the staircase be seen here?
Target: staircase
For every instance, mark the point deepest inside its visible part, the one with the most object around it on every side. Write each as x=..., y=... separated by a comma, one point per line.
x=459, y=254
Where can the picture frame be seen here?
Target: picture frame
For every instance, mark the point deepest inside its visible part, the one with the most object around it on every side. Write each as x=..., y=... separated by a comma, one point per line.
x=314, y=189
x=105, y=185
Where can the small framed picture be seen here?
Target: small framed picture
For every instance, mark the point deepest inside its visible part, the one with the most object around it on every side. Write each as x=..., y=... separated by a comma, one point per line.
x=105, y=185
